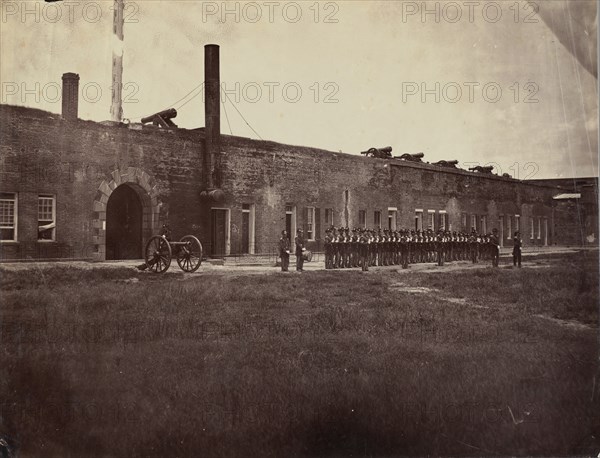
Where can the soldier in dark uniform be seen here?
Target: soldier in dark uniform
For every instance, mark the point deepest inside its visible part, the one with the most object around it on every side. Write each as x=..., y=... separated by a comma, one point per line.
x=495, y=248
x=328, y=249
x=355, y=247
x=396, y=248
x=473, y=246
x=404, y=254
x=347, y=247
x=299, y=240
x=385, y=255
x=284, y=250
x=517, y=244
x=363, y=244
x=335, y=242
x=440, y=248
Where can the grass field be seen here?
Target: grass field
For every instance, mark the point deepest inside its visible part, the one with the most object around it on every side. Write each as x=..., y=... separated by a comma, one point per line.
x=110, y=362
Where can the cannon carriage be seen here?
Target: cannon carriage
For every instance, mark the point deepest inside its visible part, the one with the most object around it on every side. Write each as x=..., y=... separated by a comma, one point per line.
x=160, y=250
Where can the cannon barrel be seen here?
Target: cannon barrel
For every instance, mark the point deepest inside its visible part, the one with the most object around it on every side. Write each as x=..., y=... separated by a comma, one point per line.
x=378, y=151
x=452, y=162
x=167, y=114
x=479, y=168
x=418, y=155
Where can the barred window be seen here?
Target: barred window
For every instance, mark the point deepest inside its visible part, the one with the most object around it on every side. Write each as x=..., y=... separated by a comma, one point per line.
x=328, y=217
x=418, y=220
x=362, y=218
x=443, y=220
x=483, y=224
x=310, y=223
x=532, y=229
x=377, y=218
x=46, y=217
x=431, y=220
x=8, y=217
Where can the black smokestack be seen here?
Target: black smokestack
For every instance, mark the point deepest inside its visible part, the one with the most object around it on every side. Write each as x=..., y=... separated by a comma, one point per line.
x=70, y=96
x=212, y=114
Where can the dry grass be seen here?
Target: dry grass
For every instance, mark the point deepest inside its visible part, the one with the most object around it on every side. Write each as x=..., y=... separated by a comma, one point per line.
x=320, y=364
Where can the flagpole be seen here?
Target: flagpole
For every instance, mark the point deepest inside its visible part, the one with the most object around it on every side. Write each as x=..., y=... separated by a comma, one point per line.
x=116, y=109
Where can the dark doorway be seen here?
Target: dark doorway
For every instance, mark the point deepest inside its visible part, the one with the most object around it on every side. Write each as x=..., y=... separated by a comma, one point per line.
x=288, y=221
x=124, y=224
x=219, y=231
x=245, y=229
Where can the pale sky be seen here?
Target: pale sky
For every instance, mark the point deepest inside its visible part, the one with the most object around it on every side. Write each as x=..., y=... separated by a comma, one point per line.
x=371, y=59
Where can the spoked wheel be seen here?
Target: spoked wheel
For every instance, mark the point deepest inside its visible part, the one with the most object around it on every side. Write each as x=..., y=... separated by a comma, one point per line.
x=158, y=254
x=189, y=256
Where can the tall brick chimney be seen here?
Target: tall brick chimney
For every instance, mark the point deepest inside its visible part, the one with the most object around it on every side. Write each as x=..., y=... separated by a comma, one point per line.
x=70, y=96
x=212, y=114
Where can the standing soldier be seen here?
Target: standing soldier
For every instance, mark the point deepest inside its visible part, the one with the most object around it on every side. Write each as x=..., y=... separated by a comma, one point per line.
x=404, y=251
x=328, y=249
x=284, y=250
x=355, y=247
x=363, y=244
x=440, y=248
x=495, y=248
x=517, y=243
x=336, y=248
x=347, y=247
x=299, y=251
x=473, y=246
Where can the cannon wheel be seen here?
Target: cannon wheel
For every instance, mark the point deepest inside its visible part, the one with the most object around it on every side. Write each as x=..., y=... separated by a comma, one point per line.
x=189, y=256
x=158, y=254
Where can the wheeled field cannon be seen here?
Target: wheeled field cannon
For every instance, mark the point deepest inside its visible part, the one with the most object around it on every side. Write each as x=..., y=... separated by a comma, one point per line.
x=482, y=169
x=416, y=157
x=450, y=164
x=381, y=153
x=160, y=250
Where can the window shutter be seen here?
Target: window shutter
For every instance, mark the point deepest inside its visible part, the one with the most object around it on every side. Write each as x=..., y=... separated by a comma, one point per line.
x=317, y=224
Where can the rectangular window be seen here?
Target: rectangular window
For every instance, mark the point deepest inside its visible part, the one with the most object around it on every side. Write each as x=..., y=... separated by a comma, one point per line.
x=46, y=217
x=539, y=231
x=443, y=220
x=377, y=219
x=290, y=221
x=328, y=218
x=473, y=222
x=431, y=220
x=518, y=223
x=483, y=224
x=392, y=216
x=8, y=217
x=362, y=218
x=310, y=223
x=418, y=220
x=501, y=226
x=532, y=229
x=464, y=222
x=508, y=227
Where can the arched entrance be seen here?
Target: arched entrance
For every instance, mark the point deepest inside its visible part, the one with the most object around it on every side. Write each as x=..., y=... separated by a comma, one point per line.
x=124, y=224
x=145, y=189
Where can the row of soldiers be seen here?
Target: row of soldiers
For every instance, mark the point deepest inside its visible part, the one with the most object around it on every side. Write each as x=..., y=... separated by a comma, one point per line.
x=358, y=247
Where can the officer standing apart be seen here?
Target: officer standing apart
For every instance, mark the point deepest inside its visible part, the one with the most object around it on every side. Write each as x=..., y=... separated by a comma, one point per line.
x=517, y=244
x=284, y=251
x=495, y=247
x=299, y=251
